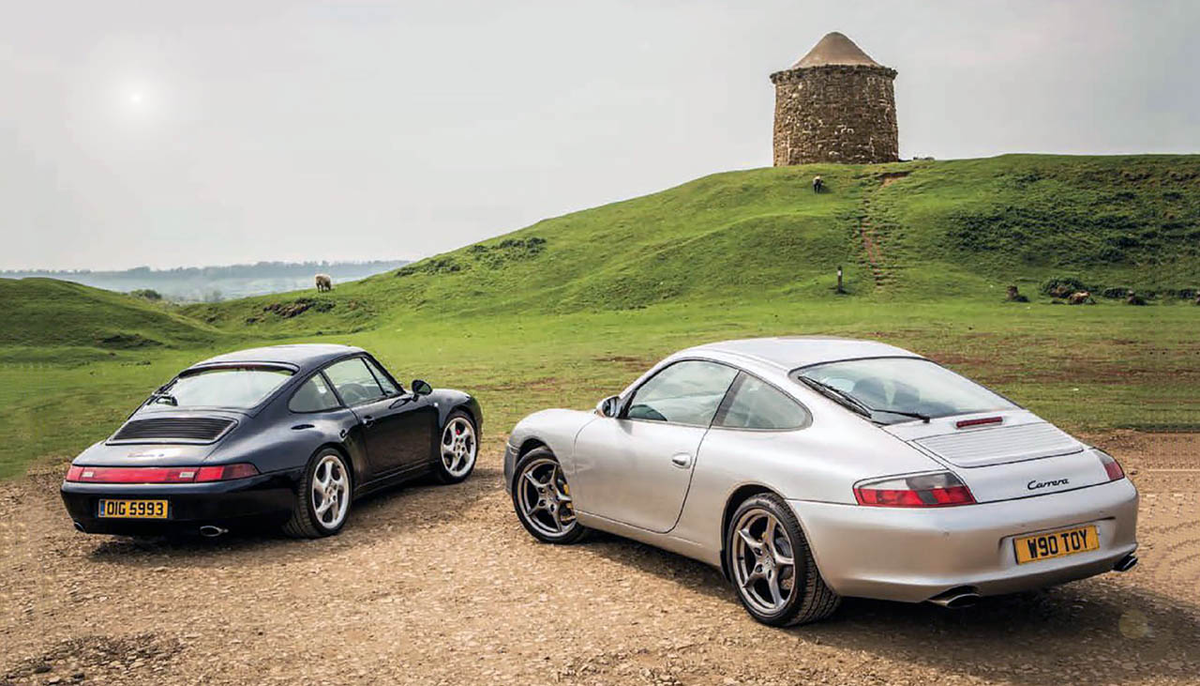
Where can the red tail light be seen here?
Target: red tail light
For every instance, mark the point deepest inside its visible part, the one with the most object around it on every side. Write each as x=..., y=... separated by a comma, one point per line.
x=227, y=472
x=1111, y=466
x=925, y=490
x=159, y=475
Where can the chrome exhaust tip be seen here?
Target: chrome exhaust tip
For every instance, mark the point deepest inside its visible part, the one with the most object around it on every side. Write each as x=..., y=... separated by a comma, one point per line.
x=956, y=598
x=210, y=531
x=79, y=527
x=1126, y=563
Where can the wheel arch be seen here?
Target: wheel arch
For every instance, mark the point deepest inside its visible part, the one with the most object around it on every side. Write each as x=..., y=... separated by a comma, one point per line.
x=531, y=443
x=460, y=402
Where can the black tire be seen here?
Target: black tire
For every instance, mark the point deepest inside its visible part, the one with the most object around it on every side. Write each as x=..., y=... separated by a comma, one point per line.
x=305, y=523
x=809, y=599
x=441, y=471
x=545, y=465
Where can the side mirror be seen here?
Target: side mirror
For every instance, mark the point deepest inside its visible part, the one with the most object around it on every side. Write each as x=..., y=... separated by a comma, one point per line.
x=609, y=407
x=420, y=387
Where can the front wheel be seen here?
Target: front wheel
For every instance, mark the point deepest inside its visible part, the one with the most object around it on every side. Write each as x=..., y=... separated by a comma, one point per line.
x=772, y=567
x=542, y=499
x=458, y=448
x=323, y=497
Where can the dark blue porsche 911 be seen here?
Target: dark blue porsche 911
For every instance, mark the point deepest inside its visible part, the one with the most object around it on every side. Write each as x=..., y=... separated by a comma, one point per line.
x=286, y=436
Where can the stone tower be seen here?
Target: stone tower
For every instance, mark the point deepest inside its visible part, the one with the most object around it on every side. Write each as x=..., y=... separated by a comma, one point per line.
x=835, y=105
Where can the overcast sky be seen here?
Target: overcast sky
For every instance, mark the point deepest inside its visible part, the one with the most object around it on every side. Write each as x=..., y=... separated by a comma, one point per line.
x=202, y=132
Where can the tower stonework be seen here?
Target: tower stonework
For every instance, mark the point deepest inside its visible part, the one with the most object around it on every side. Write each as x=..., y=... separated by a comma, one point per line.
x=835, y=105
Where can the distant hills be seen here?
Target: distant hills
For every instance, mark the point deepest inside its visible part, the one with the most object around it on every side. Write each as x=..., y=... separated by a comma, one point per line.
x=212, y=284
x=922, y=231
x=902, y=232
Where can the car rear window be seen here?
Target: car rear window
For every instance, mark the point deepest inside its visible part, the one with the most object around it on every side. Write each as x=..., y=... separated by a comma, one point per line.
x=238, y=388
x=888, y=386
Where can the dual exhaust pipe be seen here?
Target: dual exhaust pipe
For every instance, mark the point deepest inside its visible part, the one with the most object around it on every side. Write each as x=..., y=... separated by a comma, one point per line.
x=1126, y=563
x=955, y=598
x=207, y=531
x=966, y=596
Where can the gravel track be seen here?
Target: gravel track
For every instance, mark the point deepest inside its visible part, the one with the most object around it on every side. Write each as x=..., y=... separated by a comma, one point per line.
x=439, y=584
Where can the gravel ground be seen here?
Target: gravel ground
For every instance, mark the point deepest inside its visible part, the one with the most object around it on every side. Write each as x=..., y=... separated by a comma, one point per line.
x=434, y=584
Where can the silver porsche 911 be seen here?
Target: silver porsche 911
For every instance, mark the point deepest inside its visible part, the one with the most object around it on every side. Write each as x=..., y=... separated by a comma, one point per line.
x=809, y=469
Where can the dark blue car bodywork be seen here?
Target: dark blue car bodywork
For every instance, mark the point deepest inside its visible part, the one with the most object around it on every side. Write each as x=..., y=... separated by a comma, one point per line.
x=387, y=441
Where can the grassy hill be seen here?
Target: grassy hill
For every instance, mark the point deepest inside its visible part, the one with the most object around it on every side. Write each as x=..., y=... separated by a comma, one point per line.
x=905, y=231
x=572, y=308
x=38, y=313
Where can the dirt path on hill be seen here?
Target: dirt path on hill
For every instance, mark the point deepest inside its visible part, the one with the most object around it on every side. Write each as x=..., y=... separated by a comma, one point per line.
x=441, y=585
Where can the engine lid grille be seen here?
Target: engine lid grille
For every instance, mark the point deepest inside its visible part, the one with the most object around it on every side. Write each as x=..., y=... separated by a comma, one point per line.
x=1000, y=445
x=173, y=430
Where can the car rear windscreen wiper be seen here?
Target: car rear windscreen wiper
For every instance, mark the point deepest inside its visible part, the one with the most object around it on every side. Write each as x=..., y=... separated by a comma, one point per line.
x=853, y=403
x=915, y=415
x=837, y=395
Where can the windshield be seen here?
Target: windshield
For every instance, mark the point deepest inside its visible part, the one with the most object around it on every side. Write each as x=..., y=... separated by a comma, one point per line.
x=238, y=388
x=901, y=389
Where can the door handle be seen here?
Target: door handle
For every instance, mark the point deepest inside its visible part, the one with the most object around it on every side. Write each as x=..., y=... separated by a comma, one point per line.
x=683, y=460
x=368, y=420
x=298, y=427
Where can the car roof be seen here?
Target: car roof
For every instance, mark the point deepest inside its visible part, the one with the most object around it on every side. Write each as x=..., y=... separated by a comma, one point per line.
x=790, y=352
x=303, y=356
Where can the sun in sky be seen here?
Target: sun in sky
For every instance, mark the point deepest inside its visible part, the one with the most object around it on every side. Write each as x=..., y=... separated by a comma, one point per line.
x=137, y=100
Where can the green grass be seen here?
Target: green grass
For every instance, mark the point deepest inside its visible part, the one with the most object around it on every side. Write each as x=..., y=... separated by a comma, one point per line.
x=39, y=312
x=571, y=309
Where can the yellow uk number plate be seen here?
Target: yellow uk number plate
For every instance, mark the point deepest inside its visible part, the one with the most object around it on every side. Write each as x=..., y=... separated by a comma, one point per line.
x=132, y=509
x=1056, y=544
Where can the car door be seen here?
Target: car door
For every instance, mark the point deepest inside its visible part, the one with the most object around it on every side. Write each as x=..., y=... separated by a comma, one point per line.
x=635, y=468
x=395, y=429
x=413, y=420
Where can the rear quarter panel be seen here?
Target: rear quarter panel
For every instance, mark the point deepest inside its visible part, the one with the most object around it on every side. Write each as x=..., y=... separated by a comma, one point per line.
x=819, y=463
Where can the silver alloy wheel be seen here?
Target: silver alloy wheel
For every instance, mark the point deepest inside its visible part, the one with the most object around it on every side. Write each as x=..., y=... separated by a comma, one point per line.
x=459, y=447
x=545, y=498
x=764, y=566
x=330, y=491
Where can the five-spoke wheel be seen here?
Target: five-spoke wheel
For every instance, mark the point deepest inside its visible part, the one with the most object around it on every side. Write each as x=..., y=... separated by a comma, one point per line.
x=323, y=497
x=331, y=491
x=458, y=448
x=764, y=566
x=771, y=565
x=542, y=499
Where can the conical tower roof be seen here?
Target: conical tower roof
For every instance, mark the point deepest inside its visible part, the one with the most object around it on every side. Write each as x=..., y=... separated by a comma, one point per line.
x=835, y=49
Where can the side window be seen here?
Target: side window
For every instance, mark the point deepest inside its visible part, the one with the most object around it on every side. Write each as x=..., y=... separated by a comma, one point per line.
x=313, y=396
x=354, y=382
x=757, y=404
x=687, y=392
x=389, y=388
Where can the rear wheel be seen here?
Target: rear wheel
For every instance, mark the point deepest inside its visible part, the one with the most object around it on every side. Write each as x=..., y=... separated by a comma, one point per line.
x=542, y=499
x=772, y=566
x=323, y=498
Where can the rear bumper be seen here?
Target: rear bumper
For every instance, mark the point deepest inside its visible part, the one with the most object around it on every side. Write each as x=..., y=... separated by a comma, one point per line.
x=913, y=555
x=258, y=502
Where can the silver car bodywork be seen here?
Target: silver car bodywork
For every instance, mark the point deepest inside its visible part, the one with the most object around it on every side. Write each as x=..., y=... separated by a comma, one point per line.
x=675, y=486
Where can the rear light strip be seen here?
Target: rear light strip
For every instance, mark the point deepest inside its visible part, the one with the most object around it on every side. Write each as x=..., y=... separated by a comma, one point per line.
x=160, y=475
x=942, y=489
